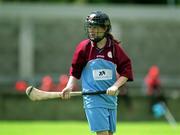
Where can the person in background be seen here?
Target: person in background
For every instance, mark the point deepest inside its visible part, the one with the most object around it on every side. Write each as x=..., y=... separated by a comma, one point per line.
x=47, y=83
x=96, y=61
x=153, y=87
x=63, y=80
x=21, y=85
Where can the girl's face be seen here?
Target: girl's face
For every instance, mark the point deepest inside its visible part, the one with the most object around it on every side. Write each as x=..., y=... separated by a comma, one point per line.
x=95, y=32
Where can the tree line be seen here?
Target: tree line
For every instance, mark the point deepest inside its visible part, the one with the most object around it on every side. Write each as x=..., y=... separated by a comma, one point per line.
x=102, y=1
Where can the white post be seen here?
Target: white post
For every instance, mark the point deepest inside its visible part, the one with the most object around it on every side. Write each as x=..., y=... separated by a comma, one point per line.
x=26, y=49
x=116, y=31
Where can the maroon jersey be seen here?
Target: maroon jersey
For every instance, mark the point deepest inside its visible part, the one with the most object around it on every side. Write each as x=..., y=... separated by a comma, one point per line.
x=86, y=51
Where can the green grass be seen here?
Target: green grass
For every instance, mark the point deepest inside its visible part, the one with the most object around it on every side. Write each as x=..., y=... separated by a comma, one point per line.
x=81, y=128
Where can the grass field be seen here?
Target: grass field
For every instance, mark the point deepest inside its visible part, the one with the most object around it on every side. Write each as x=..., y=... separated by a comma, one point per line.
x=81, y=128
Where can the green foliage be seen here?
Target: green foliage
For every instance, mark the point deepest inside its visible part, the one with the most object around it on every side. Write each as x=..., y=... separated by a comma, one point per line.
x=43, y=1
x=97, y=1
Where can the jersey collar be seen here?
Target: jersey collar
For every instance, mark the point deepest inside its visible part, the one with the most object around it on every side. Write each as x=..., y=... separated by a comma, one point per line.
x=108, y=43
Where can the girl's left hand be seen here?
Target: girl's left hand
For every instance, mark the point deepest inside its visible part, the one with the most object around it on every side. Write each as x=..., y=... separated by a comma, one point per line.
x=113, y=91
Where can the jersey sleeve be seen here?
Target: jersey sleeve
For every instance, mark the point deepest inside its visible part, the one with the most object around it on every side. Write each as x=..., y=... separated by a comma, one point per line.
x=78, y=60
x=124, y=65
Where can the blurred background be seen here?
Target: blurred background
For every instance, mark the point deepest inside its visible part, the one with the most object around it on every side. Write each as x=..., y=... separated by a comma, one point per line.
x=38, y=38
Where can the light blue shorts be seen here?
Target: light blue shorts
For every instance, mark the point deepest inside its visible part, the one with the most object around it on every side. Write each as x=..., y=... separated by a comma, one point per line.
x=101, y=119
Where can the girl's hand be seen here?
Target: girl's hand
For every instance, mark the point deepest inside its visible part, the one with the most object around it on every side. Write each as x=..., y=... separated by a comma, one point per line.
x=66, y=93
x=113, y=91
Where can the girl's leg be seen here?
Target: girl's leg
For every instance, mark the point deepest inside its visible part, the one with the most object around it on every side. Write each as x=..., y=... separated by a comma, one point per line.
x=102, y=133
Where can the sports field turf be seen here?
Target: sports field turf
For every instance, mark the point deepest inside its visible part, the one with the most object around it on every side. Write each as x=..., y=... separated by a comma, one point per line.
x=81, y=128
